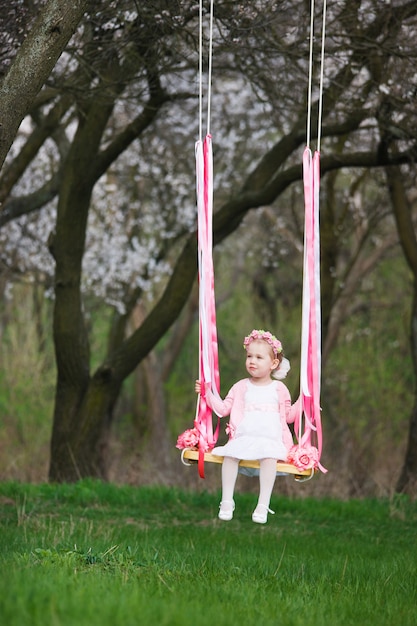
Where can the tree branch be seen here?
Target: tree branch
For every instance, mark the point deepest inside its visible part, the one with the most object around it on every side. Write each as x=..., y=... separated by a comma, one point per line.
x=226, y=220
x=33, y=64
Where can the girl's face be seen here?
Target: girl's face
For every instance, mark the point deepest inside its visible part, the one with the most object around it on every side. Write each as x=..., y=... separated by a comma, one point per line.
x=260, y=362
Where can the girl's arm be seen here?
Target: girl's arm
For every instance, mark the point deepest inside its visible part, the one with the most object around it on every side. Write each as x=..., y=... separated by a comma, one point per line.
x=219, y=406
x=292, y=411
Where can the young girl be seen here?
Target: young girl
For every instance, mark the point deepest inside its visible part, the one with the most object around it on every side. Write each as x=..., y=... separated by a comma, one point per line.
x=260, y=411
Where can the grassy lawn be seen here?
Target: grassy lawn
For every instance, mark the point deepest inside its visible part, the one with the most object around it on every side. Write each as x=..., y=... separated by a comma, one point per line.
x=97, y=554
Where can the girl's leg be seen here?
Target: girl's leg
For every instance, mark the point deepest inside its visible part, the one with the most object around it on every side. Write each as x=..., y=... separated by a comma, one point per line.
x=229, y=474
x=267, y=474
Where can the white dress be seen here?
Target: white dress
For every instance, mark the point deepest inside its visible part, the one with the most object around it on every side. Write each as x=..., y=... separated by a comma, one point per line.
x=259, y=434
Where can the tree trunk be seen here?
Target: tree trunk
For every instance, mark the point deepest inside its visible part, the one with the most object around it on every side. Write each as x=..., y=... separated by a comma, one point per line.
x=156, y=431
x=403, y=216
x=76, y=395
x=159, y=441
x=407, y=481
x=82, y=421
x=84, y=405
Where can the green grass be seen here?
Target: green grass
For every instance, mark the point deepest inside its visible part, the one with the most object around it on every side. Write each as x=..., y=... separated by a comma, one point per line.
x=96, y=554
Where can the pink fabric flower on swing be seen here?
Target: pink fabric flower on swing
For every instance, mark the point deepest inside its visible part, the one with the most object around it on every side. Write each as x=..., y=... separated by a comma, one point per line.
x=303, y=457
x=188, y=439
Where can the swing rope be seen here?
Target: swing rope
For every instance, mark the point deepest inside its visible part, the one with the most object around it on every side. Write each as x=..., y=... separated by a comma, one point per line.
x=310, y=75
x=208, y=350
x=200, y=68
x=310, y=369
x=200, y=73
x=323, y=39
x=210, y=67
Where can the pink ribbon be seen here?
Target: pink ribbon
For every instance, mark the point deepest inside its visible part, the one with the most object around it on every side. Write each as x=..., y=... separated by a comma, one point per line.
x=311, y=317
x=311, y=314
x=208, y=351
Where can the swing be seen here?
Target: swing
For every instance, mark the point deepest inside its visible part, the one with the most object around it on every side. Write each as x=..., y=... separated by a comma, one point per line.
x=190, y=457
x=196, y=444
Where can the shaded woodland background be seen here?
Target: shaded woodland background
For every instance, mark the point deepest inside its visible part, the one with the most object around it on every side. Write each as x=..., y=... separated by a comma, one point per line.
x=97, y=240
x=366, y=394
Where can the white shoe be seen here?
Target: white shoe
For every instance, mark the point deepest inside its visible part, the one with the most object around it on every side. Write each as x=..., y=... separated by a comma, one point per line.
x=226, y=515
x=261, y=518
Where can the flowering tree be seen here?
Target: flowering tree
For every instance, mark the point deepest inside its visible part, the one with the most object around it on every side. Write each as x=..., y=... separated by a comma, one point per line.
x=118, y=116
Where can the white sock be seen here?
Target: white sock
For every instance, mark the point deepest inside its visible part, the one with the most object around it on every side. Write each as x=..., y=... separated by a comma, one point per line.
x=267, y=475
x=229, y=474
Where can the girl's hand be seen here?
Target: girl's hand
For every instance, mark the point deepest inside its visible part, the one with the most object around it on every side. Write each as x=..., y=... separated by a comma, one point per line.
x=199, y=387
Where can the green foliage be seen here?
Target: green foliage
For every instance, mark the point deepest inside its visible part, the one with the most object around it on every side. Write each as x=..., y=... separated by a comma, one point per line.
x=92, y=553
x=179, y=389
x=369, y=378
x=27, y=379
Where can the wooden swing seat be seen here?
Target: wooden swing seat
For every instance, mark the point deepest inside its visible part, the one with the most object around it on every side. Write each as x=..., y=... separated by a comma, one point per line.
x=190, y=457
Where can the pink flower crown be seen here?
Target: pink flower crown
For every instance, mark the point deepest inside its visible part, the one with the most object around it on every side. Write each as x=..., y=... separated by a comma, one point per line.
x=265, y=336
